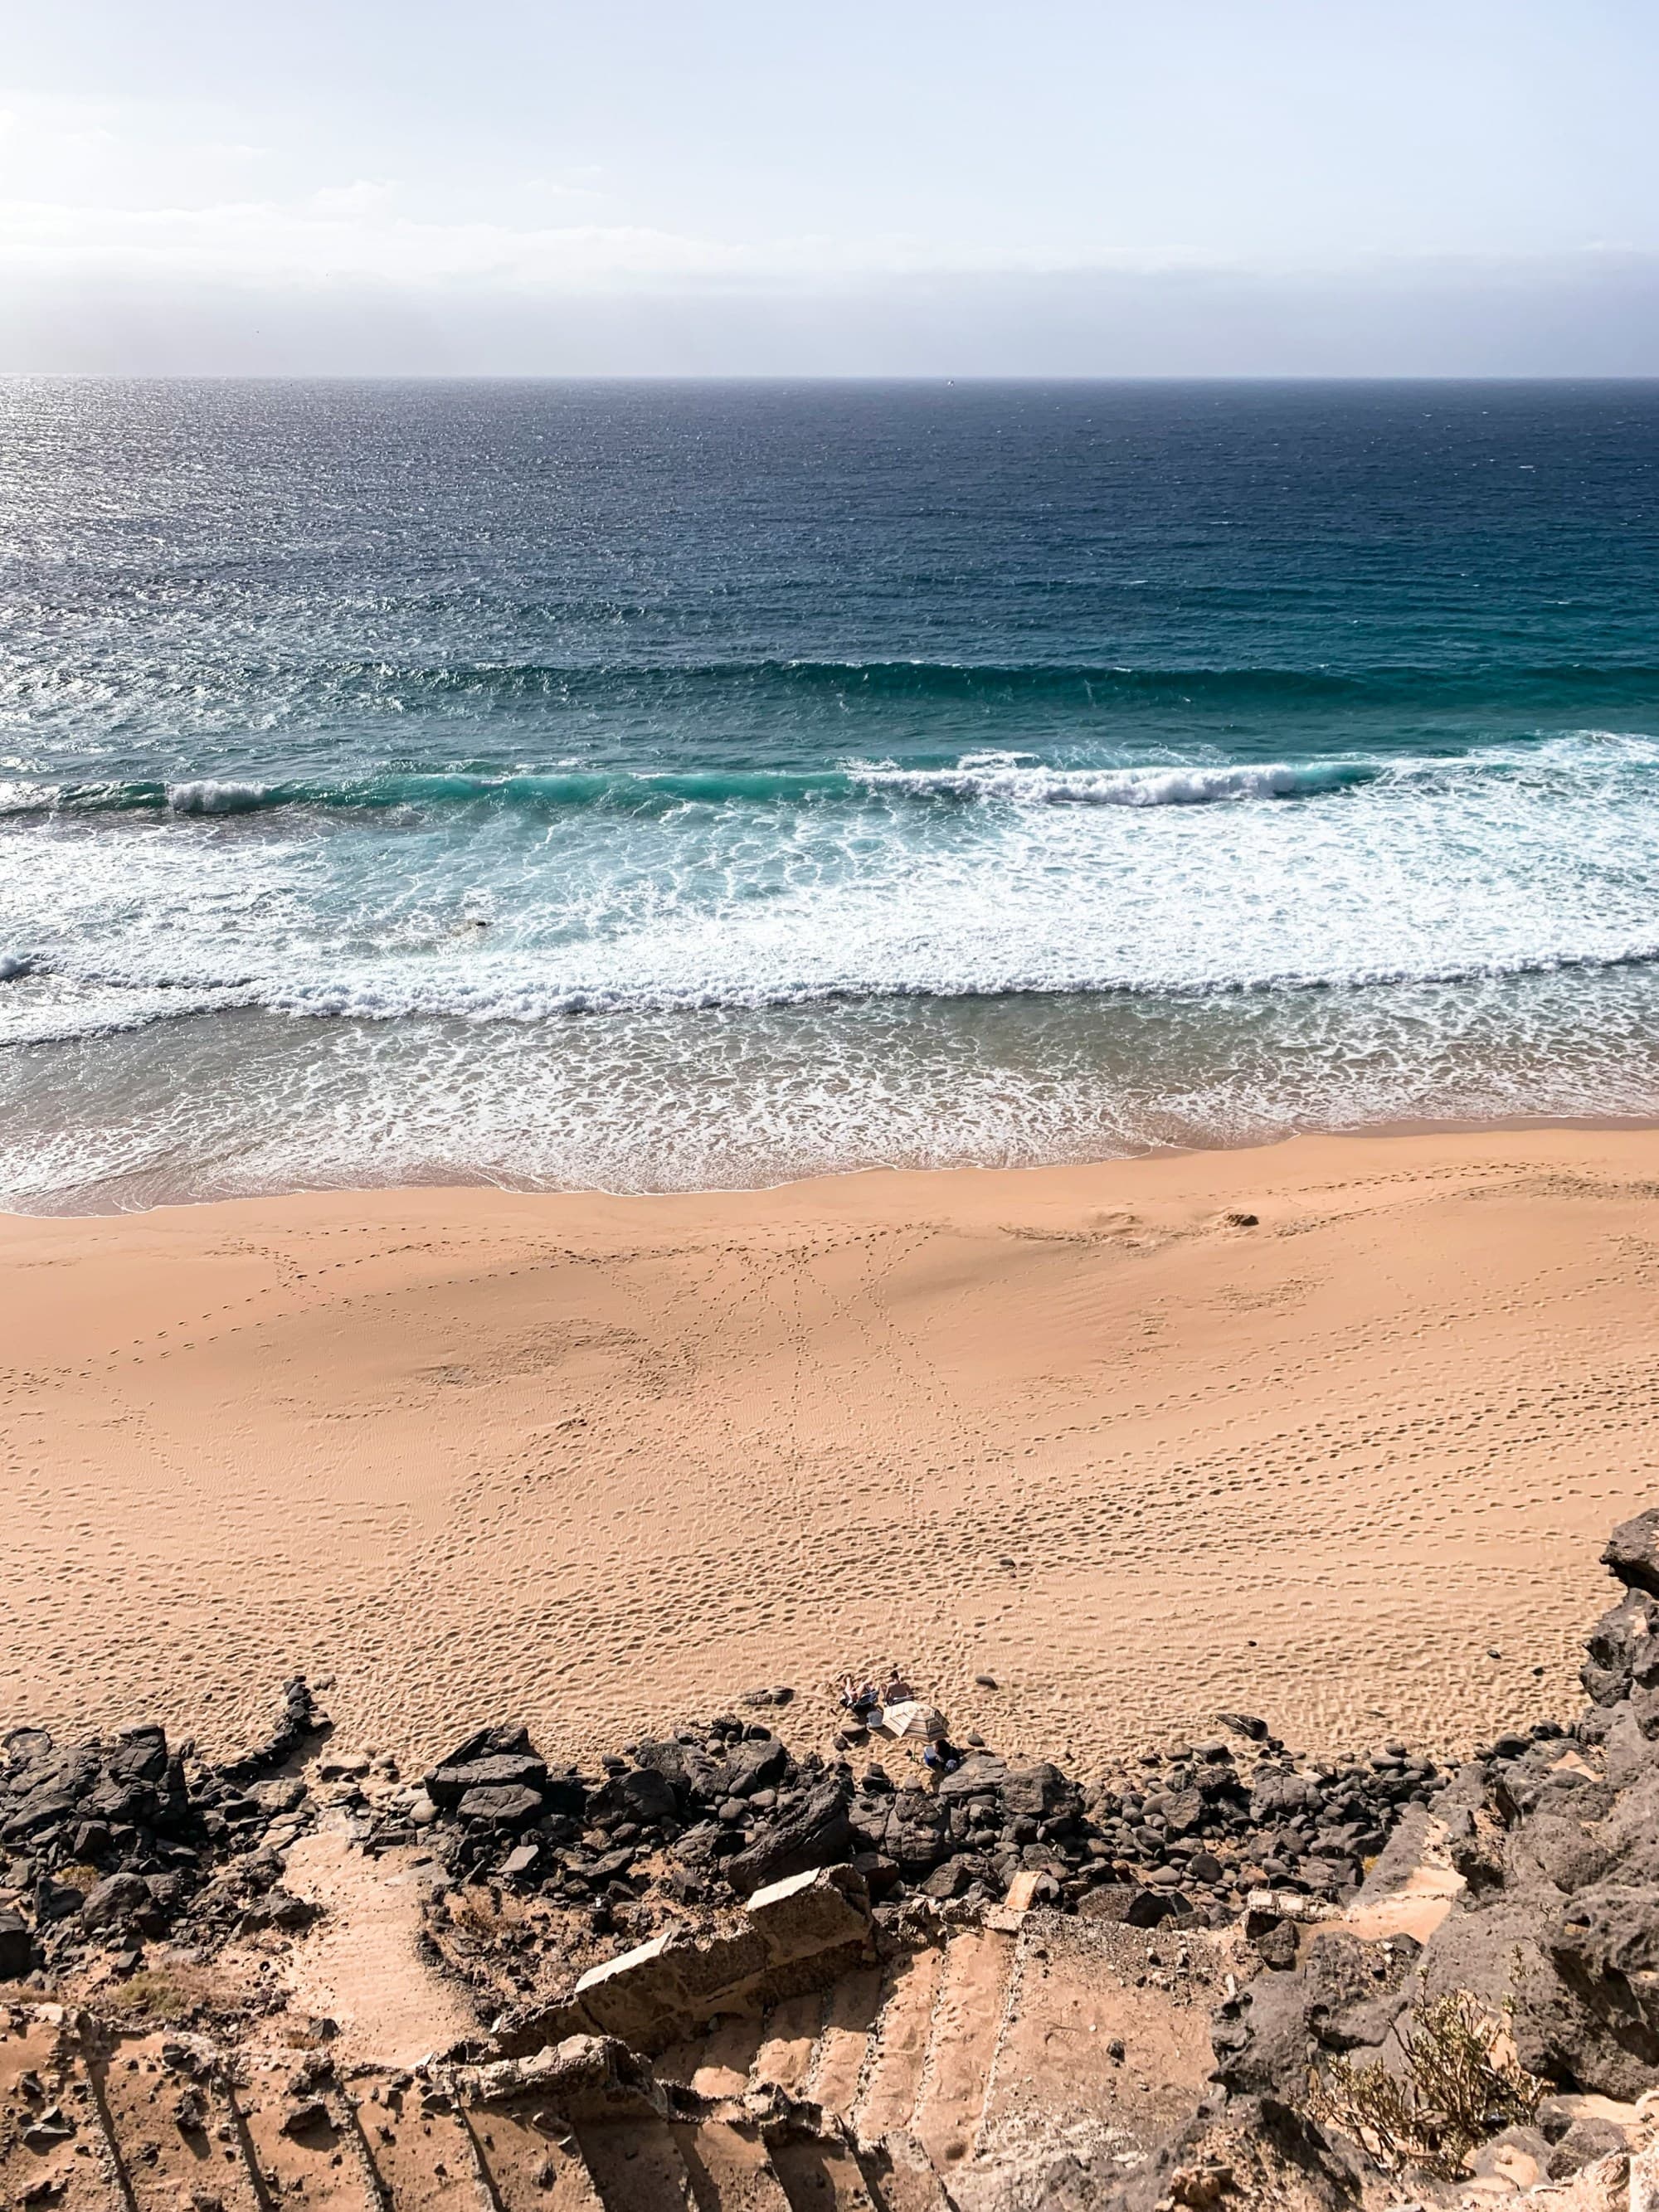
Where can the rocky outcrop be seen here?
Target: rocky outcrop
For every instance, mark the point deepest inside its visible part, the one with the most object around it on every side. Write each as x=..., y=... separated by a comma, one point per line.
x=113, y=1843
x=1550, y=1841
x=737, y=1905
x=703, y=1819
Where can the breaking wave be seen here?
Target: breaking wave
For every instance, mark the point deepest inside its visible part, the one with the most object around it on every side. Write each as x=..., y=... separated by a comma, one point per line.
x=1008, y=778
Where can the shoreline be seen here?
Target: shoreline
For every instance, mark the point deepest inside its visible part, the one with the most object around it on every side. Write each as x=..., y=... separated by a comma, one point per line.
x=471, y=1450
x=1484, y=1125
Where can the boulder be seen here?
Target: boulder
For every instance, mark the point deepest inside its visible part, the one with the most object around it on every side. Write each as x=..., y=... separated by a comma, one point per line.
x=1632, y=1552
x=1039, y=1793
x=486, y=1743
x=642, y=1794
x=687, y=1769
x=916, y=1833
x=1184, y=1811
x=501, y=1805
x=123, y=1897
x=1584, y=2141
x=310, y=2116
x=16, y=1948
x=141, y=1755
x=1605, y=1948
x=1353, y=1987
x=817, y=1833
x=1281, y=1796
x=981, y=1776
x=1625, y=1630
x=285, y=1795
x=37, y=1814
x=446, y=1786
x=755, y=1764
x=279, y=1910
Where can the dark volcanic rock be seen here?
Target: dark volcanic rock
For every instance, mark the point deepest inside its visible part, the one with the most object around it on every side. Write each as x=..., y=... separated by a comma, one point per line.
x=979, y=1777
x=486, y=1743
x=910, y=1827
x=1605, y=1947
x=643, y=1793
x=37, y=1814
x=446, y=1786
x=1632, y=1552
x=502, y=1805
x=748, y=1766
x=1281, y=1796
x=1245, y=1724
x=687, y=1769
x=278, y=1909
x=817, y=1833
x=1040, y=1792
x=301, y=1720
x=1627, y=1630
x=16, y=1948
x=310, y=2116
x=123, y=1897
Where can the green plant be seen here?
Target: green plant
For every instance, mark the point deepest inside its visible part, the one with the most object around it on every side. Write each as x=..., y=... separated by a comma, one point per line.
x=1457, y=2085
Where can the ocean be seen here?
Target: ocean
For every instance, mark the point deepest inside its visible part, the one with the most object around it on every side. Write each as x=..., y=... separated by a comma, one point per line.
x=649, y=787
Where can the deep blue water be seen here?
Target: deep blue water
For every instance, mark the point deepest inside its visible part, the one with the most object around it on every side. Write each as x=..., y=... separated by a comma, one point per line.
x=651, y=785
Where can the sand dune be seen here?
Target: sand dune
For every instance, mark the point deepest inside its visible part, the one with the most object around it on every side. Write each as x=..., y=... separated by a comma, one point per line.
x=599, y=1463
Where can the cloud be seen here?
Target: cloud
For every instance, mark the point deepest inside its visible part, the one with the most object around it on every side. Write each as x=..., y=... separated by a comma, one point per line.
x=352, y=231
x=1591, y=315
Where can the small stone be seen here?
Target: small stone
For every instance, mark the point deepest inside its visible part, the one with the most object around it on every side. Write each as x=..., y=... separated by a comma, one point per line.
x=1245, y=1724
x=284, y=1796
x=341, y=1766
x=1276, y=1946
x=278, y=1909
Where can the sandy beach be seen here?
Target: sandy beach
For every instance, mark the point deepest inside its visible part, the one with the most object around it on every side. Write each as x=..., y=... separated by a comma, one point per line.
x=600, y=1463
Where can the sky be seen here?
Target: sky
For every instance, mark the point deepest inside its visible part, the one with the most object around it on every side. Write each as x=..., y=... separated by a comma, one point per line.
x=1175, y=187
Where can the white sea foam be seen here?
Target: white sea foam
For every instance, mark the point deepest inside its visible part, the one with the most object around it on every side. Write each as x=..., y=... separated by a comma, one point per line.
x=1028, y=786
x=767, y=976
x=1434, y=870
x=213, y=795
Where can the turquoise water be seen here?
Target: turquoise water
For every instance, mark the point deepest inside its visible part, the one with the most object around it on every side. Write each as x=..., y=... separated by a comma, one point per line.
x=648, y=786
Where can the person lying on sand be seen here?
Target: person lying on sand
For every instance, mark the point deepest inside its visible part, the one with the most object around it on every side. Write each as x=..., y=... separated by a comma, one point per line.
x=859, y=1699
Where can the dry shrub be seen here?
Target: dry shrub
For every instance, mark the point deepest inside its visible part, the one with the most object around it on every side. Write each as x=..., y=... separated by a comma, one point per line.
x=1459, y=2083
x=162, y=1994
x=485, y=1912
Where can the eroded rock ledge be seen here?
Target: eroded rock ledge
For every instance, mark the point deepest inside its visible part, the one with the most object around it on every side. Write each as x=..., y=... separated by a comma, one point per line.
x=763, y=1977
